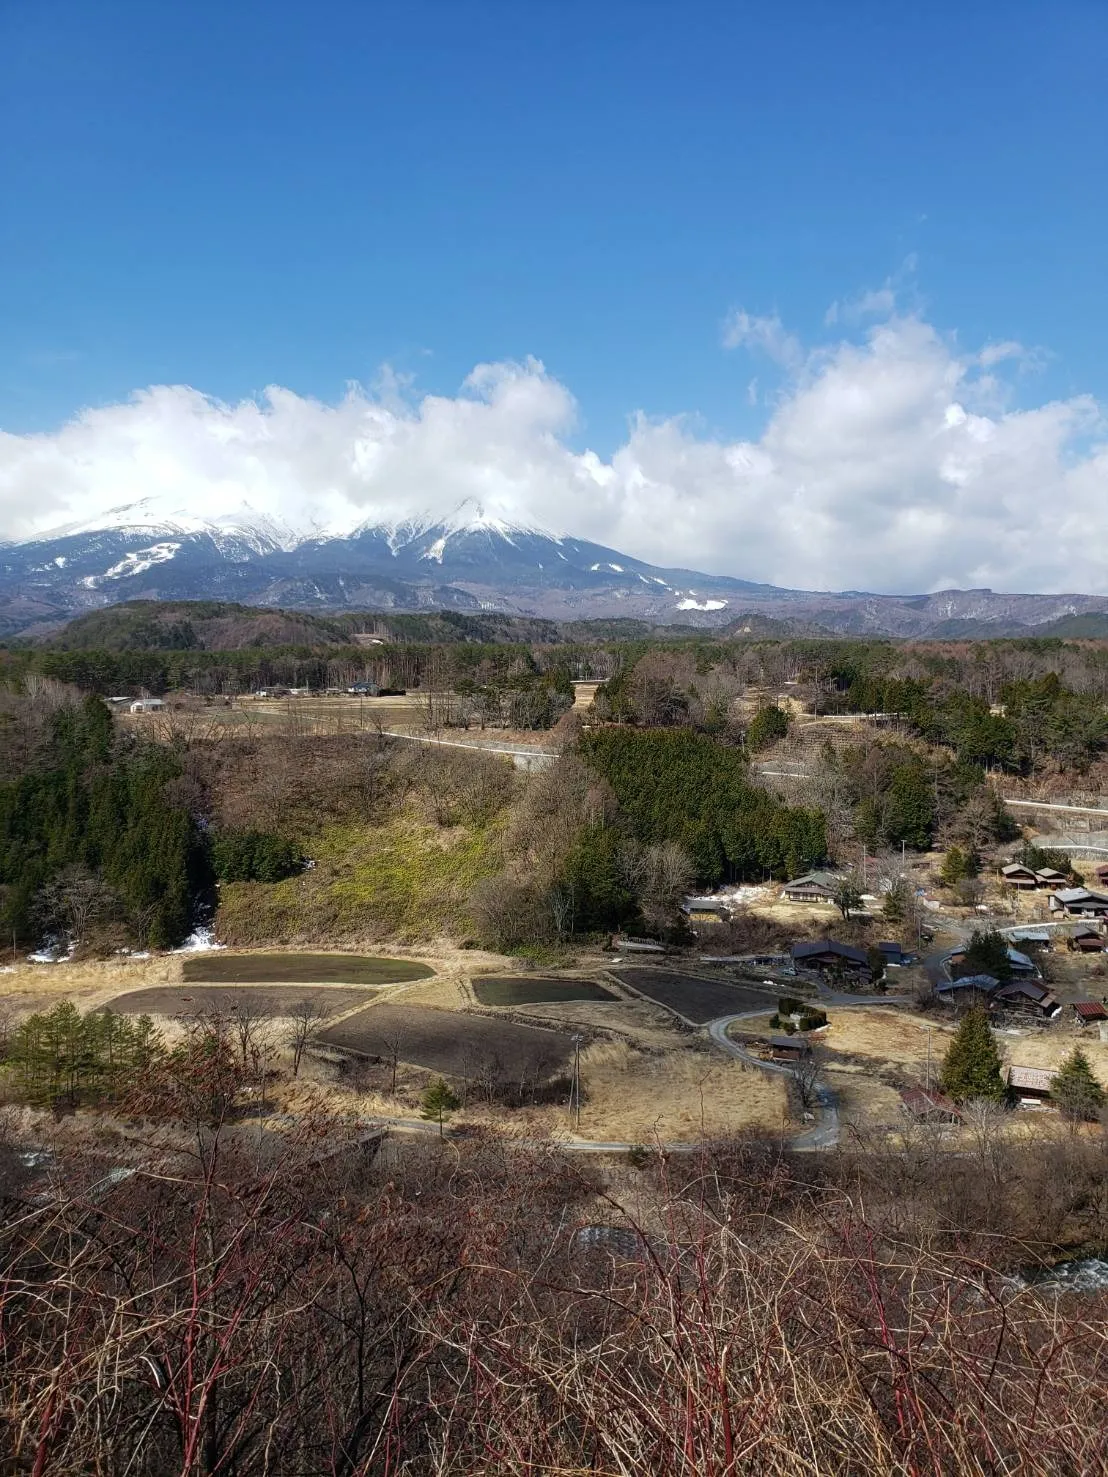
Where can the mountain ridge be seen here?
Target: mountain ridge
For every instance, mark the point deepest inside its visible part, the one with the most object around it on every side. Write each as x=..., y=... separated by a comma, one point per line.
x=470, y=559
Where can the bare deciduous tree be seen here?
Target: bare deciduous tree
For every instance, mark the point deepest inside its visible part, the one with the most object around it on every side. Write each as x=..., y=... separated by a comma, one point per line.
x=306, y=1019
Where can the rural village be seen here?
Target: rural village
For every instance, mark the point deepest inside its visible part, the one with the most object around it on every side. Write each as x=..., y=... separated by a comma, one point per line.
x=601, y=912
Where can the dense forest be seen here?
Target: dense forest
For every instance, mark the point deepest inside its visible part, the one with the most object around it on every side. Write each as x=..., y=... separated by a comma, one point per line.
x=93, y=839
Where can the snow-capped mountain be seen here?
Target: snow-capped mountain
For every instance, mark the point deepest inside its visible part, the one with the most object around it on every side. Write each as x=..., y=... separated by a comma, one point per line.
x=470, y=558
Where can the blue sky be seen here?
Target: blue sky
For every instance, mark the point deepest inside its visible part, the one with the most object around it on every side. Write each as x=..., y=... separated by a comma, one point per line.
x=232, y=196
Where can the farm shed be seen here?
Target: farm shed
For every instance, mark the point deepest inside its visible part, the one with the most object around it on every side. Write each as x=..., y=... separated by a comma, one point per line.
x=829, y=954
x=894, y=955
x=626, y=945
x=1030, y=1084
x=813, y=887
x=1090, y=1012
x=927, y=1105
x=705, y=910
x=787, y=1049
x=147, y=705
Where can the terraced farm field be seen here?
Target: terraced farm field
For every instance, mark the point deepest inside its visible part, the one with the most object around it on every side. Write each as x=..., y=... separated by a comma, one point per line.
x=696, y=999
x=172, y=1000
x=449, y=1042
x=498, y=989
x=219, y=968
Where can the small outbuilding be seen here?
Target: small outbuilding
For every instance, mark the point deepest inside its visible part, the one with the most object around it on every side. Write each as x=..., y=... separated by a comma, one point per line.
x=705, y=910
x=894, y=956
x=1090, y=1012
x=1030, y=1084
x=787, y=1049
x=927, y=1105
x=964, y=994
x=147, y=705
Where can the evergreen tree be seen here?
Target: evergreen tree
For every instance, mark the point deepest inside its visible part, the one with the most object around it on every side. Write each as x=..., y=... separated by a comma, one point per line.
x=1076, y=1090
x=438, y=1102
x=910, y=807
x=768, y=724
x=971, y=1067
x=958, y=865
x=986, y=953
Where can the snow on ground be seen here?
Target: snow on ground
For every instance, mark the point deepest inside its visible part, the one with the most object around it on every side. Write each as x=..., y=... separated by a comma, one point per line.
x=198, y=942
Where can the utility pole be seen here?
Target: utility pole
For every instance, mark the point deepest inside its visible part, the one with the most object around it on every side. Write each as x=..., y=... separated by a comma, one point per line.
x=577, y=1082
x=928, y=1078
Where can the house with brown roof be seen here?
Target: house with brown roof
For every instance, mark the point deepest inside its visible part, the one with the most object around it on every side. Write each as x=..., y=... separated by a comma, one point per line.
x=1086, y=940
x=927, y=1105
x=1025, y=997
x=1089, y=1012
x=1015, y=874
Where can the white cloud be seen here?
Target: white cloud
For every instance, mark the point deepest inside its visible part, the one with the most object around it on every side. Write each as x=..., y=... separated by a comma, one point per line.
x=879, y=302
x=747, y=331
x=891, y=463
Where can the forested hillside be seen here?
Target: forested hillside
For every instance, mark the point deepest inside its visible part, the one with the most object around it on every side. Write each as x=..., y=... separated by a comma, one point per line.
x=95, y=840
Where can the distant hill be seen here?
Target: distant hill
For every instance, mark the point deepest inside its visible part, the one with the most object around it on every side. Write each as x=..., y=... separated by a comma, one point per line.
x=215, y=625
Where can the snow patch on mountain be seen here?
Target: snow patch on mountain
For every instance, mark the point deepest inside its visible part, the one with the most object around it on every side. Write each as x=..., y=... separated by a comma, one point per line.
x=137, y=562
x=701, y=605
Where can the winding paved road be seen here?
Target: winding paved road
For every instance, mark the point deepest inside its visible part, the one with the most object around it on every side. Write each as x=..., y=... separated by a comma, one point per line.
x=825, y=1133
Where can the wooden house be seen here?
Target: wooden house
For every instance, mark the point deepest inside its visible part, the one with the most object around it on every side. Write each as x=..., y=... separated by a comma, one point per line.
x=813, y=887
x=1029, y=1084
x=829, y=956
x=1086, y=940
x=1015, y=874
x=1025, y=997
x=1079, y=902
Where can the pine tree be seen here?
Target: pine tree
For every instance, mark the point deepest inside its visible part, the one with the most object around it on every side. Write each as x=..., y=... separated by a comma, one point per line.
x=438, y=1101
x=1077, y=1092
x=971, y=1067
x=986, y=953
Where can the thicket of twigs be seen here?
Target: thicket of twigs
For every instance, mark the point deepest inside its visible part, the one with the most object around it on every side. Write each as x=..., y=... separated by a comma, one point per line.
x=308, y=1303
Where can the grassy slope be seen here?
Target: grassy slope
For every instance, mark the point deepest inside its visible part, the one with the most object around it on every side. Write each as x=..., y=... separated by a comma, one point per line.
x=403, y=879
